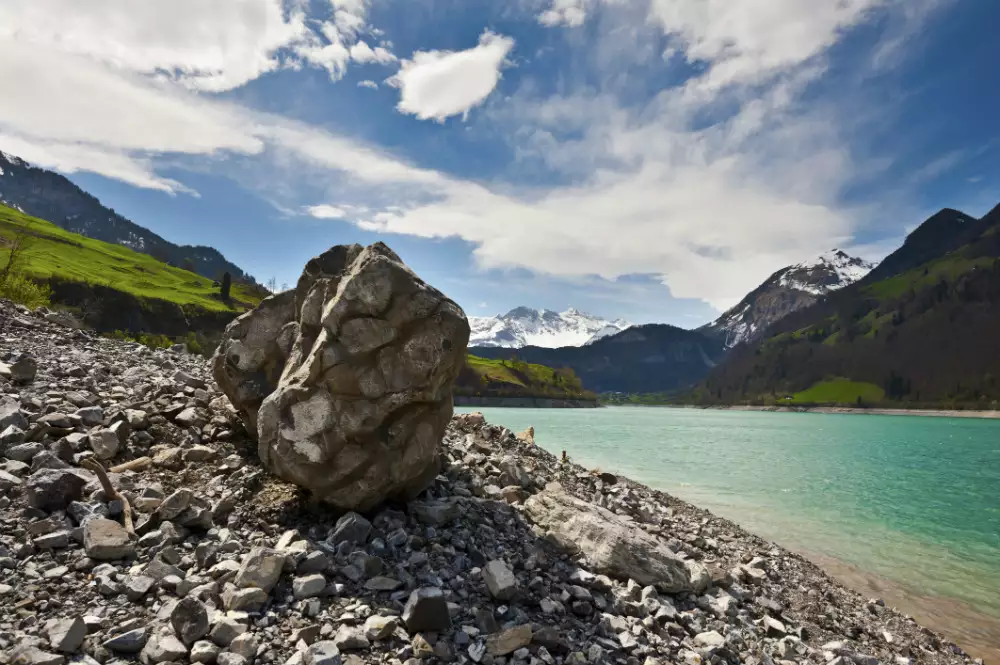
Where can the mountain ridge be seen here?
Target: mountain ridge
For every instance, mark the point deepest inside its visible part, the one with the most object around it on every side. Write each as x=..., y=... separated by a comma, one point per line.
x=53, y=197
x=524, y=326
x=787, y=290
x=920, y=331
x=640, y=359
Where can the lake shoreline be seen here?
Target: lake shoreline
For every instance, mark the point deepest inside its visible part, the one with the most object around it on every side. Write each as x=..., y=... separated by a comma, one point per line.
x=977, y=633
x=931, y=413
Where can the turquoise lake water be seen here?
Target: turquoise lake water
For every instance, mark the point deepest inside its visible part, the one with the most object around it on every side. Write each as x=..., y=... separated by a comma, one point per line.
x=913, y=499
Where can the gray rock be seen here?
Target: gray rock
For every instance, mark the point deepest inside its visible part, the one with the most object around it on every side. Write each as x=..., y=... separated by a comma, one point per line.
x=610, y=544
x=322, y=653
x=175, y=504
x=250, y=599
x=54, y=489
x=261, y=568
x=11, y=435
x=500, y=580
x=24, y=452
x=380, y=628
x=90, y=415
x=350, y=638
x=104, y=443
x=710, y=639
x=138, y=586
x=226, y=630
x=245, y=646
x=189, y=620
x=426, y=609
x=229, y=658
x=10, y=414
x=105, y=539
x=509, y=641
x=351, y=528
x=131, y=641
x=390, y=347
x=25, y=654
x=203, y=652
x=66, y=635
x=308, y=586
x=163, y=648
x=24, y=369
x=56, y=419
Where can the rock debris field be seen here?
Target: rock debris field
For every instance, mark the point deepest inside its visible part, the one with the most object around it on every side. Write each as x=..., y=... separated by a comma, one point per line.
x=188, y=551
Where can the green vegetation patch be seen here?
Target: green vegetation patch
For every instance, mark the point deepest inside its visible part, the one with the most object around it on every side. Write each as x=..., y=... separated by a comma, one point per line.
x=53, y=252
x=839, y=391
x=947, y=268
x=483, y=376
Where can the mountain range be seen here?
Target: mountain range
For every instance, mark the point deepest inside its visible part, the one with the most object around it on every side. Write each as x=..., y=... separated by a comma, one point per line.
x=523, y=326
x=920, y=329
x=640, y=359
x=788, y=290
x=52, y=197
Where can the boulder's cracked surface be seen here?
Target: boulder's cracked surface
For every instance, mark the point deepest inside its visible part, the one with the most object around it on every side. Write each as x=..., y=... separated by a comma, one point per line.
x=346, y=380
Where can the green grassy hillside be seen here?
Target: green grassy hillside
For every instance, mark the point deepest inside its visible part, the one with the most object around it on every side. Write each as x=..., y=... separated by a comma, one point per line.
x=483, y=377
x=52, y=252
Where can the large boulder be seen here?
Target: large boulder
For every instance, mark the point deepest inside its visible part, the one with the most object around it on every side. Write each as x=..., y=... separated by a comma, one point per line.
x=346, y=380
x=612, y=545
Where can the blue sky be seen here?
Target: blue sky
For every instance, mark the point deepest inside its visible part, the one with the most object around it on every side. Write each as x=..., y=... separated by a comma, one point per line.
x=646, y=159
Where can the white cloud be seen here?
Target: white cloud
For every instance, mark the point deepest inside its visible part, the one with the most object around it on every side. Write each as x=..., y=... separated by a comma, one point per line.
x=362, y=53
x=439, y=84
x=215, y=45
x=570, y=13
x=368, y=83
x=711, y=209
x=326, y=211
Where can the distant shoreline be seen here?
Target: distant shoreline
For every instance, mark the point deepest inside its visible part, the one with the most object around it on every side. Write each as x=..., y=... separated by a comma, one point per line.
x=939, y=413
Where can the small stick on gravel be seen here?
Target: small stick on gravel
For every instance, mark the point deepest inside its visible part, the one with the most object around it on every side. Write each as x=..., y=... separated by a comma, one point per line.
x=137, y=464
x=111, y=492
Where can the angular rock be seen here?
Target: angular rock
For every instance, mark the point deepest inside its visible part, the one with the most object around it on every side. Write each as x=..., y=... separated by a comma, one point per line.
x=226, y=630
x=351, y=528
x=349, y=638
x=189, y=620
x=308, y=586
x=105, y=540
x=104, y=443
x=67, y=635
x=163, y=648
x=250, y=599
x=25, y=654
x=175, y=504
x=380, y=628
x=261, y=568
x=10, y=414
x=131, y=641
x=357, y=361
x=203, y=652
x=610, y=544
x=54, y=489
x=500, y=580
x=24, y=369
x=426, y=609
x=509, y=641
x=322, y=653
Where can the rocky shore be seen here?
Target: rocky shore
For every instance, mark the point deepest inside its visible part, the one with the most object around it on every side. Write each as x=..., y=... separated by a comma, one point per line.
x=188, y=551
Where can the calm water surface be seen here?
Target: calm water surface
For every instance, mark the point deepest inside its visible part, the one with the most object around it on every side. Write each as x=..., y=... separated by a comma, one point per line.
x=913, y=499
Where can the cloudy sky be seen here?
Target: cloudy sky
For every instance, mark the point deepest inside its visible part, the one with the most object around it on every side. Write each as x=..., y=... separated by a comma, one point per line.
x=649, y=159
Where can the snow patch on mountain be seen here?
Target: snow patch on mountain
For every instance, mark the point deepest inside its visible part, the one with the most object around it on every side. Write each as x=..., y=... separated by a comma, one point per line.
x=786, y=291
x=524, y=326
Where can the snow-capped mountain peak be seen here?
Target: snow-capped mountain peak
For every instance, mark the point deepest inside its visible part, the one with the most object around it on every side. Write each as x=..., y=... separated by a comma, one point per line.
x=786, y=291
x=524, y=326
